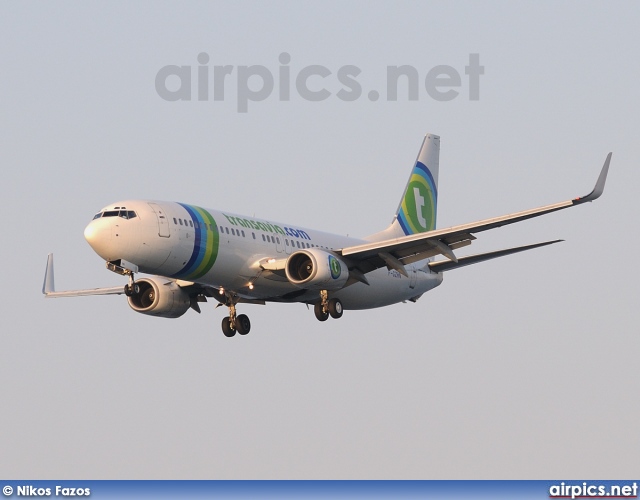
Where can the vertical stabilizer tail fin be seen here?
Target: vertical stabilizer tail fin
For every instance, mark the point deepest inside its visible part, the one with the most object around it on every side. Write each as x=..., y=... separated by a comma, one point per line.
x=418, y=207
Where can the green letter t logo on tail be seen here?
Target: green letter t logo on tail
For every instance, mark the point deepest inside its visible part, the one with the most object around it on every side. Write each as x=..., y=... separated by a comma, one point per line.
x=417, y=212
x=418, y=206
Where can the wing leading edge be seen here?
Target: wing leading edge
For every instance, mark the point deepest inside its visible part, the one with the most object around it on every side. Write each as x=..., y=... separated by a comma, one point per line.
x=397, y=252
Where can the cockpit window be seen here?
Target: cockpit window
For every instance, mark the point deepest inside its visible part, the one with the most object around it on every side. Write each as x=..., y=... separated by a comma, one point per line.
x=125, y=214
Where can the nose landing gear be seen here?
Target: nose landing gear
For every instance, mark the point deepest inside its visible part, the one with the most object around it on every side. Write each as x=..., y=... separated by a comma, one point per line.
x=132, y=288
x=124, y=268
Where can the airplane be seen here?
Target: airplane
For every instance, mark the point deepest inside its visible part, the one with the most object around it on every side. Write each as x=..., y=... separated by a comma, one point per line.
x=192, y=254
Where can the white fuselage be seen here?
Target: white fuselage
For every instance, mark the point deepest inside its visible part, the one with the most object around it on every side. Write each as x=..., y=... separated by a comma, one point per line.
x=225, y=250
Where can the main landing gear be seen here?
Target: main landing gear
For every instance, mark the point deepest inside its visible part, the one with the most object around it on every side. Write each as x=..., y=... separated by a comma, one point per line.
x=326, y=307
x=235, y=323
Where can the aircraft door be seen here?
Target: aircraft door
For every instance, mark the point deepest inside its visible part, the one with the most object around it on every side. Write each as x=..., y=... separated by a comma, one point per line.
x=280, y=246
x=163, y=222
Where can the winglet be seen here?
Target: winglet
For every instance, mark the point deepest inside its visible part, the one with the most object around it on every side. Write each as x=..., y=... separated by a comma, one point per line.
x=48, y=286
x=599, y=188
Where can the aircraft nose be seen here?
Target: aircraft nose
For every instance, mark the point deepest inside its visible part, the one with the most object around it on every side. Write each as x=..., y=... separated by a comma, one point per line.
x=98, y=235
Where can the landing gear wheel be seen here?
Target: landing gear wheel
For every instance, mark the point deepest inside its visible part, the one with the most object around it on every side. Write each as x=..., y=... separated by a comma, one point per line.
x=243, y=325
x=335, y=308
x=320, y=313
x=226, y=328
x=131, y=290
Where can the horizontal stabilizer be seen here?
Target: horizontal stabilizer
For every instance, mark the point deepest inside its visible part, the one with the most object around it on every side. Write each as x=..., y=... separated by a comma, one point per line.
x=447, y=265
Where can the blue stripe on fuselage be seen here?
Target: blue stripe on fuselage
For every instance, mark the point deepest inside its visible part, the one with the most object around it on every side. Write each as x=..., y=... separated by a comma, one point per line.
x=199, y=244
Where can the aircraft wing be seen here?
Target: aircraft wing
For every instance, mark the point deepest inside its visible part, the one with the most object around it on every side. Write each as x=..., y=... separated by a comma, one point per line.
x=48, y=287
x=397, y=252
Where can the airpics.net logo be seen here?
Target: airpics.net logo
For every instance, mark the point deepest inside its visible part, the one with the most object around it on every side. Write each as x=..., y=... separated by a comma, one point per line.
x=314, y=82
x=590, y=490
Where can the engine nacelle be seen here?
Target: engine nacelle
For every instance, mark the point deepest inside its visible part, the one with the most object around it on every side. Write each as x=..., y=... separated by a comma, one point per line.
x=315, y=269
x=160, y=298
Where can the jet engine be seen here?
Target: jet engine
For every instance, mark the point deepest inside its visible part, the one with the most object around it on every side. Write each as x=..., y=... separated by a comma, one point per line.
x=315, y=269
x=160, y=298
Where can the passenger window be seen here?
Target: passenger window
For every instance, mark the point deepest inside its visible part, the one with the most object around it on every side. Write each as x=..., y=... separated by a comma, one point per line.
x=243, y=233
x=190, y=224
x=278, y=240
x=226, y=230
x=175, y=221
x=254, y=235
x=298, y=243
x=233, y=232
x=180, y=221
x=196, y=225
x=263, y=237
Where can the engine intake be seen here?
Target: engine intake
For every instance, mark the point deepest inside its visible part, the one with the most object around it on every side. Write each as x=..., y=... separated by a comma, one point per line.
x=166, y=300
x=315, y=269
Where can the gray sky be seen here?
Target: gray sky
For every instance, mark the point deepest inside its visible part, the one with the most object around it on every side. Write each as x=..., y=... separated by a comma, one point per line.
x=523, y=367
